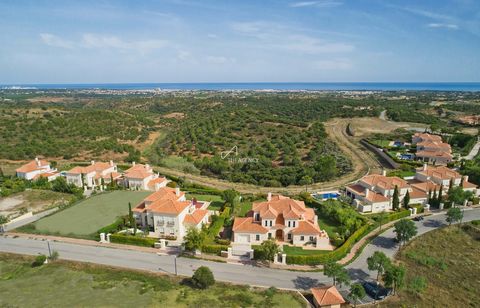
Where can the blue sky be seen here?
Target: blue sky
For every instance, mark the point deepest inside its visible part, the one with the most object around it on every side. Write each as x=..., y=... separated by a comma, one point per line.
x=234, y=41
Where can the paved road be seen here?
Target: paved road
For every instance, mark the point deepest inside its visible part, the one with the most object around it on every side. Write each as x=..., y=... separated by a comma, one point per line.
x=243, y=274
x=473, y=152
x=17, y=224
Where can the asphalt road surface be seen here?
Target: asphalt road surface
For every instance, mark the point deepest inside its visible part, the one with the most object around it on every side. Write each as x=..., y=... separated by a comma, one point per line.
x=236, y=273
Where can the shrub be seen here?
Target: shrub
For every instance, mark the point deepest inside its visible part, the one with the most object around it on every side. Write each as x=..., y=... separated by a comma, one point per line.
x=117, y=225
x=132, y=240
x=54, y=256
x=39, y=260
x=203, y=278
x=222, y=241
x=418, y=284
x=214, y=249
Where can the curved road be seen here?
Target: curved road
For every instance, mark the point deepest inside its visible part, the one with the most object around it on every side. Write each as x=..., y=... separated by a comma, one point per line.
x=236, y=273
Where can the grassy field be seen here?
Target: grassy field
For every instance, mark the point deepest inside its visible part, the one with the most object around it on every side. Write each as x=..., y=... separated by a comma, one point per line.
x=89, y=215
x=179, y=163
x=449, y=259
x=68, y=284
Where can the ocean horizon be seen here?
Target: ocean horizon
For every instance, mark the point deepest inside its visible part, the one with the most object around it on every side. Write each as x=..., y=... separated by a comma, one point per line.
x=276, y=86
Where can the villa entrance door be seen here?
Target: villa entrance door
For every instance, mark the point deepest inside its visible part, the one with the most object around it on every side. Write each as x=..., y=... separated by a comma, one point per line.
x=279, y=235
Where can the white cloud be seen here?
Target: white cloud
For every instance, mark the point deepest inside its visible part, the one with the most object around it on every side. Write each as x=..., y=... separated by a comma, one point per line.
x=320, y=4
x=99, y=41
x=184, y=55
x=219, y=59
x=333, y=64
x=55, y=41
x=442, y=25
x=278, y=36
x=212, y=36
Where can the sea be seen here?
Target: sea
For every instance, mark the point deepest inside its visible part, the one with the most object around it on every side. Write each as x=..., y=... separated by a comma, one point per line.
x=274, y=86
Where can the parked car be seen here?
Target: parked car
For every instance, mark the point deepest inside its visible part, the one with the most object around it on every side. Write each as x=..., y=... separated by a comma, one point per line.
x=418, y=218
x=375, y=291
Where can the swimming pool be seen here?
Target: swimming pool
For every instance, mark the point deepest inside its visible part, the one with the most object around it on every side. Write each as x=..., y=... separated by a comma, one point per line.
x=326, y=196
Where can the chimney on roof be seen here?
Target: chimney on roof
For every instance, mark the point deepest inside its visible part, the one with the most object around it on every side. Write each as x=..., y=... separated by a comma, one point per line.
x=465, y=178
x=111, y=163
x=177, y=191
x=384, y=172
x=92, y=162
x=269, y=196
x=37, y=161
x=366, y=192
x=425, y=167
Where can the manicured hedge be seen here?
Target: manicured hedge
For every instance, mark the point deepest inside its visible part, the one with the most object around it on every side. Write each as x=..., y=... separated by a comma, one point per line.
x=132, y=240
x=397, y=215
x=335, y=255
x=214, y=249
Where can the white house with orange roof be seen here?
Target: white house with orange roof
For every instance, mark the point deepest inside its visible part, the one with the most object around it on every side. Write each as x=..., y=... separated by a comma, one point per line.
x=35, y=169
x=431, y=149
x=441, y=175
x=373, y=193
x=142, y=177
x=283, y=219
x=167, y=213
x=93, y=175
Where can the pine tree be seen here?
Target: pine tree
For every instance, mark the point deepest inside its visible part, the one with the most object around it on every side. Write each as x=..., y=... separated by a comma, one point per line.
x=429, y=195
x=440, y=194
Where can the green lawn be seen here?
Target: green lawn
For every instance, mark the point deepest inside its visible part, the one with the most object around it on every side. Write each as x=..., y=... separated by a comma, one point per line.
x=216, y=201
x=66, y=284
x=381, y=142
x=328, y=224
x=299, y=251
x=91, y=214
x=242, y=209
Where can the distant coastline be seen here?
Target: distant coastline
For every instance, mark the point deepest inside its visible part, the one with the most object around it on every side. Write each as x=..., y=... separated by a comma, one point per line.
x=262, y=86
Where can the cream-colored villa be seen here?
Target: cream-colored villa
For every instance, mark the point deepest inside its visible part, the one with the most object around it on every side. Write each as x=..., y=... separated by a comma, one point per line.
x=93, y=175
x=373, y=193
x=167, y=213
x=142, y=177
x=35, y=169
x=281, y=218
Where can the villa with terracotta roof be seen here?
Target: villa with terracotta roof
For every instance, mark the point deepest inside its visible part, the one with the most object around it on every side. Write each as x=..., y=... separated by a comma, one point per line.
x=35, y=169
x=142, y=177
x=93, y=175
x=441, y=175
x=167, y=213
x=281, y=218
x=431, y=149
x=327, y=296
x=373, y=193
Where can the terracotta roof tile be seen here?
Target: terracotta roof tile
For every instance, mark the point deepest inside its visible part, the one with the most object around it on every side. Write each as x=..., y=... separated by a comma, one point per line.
x=196, y=217
x=327, y=295
x=305, y=227
x=247, y=225
x=32, y=166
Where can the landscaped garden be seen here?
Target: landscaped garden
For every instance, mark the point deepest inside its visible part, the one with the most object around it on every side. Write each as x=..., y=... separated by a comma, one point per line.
x=68, y=284
x=85, y=218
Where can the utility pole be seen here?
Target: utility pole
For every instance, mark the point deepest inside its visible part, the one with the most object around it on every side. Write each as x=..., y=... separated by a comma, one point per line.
x=49, y=250
x=175, y=263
